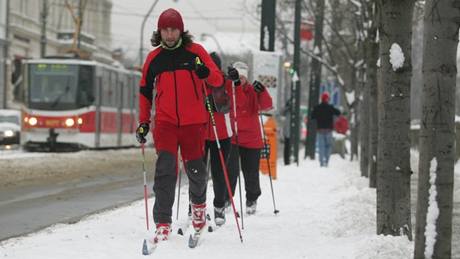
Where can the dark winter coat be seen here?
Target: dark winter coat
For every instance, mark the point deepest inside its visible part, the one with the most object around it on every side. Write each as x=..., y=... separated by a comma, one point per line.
x=179, y=92
x=324, y=114
x=223, y=120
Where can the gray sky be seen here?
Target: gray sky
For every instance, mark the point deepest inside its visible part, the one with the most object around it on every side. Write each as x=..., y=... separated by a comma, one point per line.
x=200, y=16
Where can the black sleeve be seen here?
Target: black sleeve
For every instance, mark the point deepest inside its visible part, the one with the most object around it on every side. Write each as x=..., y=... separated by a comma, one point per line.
x=314, y=114
x=336, y=111
x=147, y=89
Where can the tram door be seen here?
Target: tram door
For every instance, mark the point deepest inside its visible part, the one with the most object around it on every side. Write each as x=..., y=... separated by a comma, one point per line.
x=98, y=118
x=119, y=121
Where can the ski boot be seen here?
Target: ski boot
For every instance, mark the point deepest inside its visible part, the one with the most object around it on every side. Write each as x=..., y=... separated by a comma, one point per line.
x=219, y=216
x=251, y=207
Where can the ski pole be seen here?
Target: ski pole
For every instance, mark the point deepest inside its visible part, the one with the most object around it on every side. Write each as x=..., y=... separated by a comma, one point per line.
x=221, y=156
x=235, y=125
x=178, y=187
x=179, y=230
x=145, y=184
x=268, y=164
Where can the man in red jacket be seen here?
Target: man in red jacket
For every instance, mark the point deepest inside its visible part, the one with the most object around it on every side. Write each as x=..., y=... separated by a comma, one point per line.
x=180, y=116
x=247, y=141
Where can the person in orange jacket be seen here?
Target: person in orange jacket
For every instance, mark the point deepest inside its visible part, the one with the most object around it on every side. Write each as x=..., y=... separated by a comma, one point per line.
x=247, y=142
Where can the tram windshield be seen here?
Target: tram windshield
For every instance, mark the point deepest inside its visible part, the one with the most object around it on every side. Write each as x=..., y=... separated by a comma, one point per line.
x=59, y=86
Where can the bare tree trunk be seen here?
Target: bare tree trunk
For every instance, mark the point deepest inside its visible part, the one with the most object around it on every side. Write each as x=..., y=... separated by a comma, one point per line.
x=433, y=236
x=364, y=130
x=393, y=169
x=354, y=122
x=373, y=49
x=372, y=53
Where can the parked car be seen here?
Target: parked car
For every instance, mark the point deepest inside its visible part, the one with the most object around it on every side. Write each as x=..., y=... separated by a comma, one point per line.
x=10, y=128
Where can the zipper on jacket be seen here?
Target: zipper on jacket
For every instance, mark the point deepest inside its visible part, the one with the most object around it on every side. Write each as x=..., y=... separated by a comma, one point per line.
x=194, y=85
x=158, y=95
x=177, y=101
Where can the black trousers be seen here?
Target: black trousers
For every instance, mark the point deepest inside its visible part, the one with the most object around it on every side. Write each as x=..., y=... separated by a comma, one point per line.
x=249, y=158
x=287, y=151
x=165, y=183
x=217, y=172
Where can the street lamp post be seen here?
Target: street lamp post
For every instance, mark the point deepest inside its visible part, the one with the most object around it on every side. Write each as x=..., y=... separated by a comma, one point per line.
x=141, y=47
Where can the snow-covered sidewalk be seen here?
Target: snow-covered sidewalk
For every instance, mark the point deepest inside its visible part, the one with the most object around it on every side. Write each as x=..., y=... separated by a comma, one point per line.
x=324, y=213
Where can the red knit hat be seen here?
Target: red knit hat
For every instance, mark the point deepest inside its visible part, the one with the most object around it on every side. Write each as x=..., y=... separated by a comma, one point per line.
x=170, y=18
x=325, y=97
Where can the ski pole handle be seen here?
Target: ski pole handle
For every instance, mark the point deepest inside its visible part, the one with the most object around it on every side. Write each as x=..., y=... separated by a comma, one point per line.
x=198, y=61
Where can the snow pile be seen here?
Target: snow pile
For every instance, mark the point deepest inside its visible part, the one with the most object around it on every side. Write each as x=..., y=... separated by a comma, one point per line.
x=385, y=247
x=316, y=51
x=432, y=213
x=350, y=96
x=18, y=167
x=396, y=56
x=324, y=213
x=457, y=182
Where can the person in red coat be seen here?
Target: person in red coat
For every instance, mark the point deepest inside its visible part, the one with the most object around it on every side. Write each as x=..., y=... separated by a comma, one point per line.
x=247, y=142
x=177, y=68
x=221, y=100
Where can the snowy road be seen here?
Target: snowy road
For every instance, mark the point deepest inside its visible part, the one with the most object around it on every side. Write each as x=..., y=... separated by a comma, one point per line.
x=35, y=194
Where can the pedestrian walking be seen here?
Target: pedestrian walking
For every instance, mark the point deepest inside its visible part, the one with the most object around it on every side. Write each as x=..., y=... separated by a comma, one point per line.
x=323, y=114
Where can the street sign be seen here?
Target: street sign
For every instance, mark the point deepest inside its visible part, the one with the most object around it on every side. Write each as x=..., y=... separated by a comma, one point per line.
x=267, y=69
x=267, y=25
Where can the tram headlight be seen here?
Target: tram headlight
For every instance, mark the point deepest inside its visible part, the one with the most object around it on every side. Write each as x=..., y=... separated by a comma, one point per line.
x=33, y=121
x=80, y=121
x=8, y=133
x=69, y=122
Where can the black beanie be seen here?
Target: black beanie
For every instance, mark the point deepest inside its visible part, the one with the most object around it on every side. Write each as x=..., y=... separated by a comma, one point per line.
x=215, y=57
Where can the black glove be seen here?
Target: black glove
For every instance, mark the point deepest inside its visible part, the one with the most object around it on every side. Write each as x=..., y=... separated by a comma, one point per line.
x=201, y=70
x=234, y=75
x=141, y=132
x=258, y=86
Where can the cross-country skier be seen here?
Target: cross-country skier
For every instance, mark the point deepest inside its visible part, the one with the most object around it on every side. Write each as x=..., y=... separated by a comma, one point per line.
x=221, y=99
x=180, y=116
x=249, y=133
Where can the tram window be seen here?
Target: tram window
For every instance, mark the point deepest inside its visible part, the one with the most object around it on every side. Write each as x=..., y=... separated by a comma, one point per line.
x=136, y=93
x=105, y=88
x=126, y=91
x=113, y=89
x=131, y=92
x=86, y=82
x=52, y=86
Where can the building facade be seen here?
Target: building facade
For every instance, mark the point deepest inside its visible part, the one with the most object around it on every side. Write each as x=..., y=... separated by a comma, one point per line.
x=29, y=19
